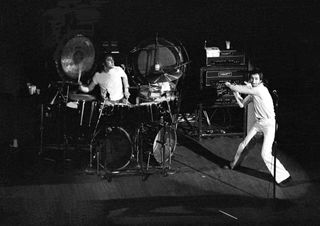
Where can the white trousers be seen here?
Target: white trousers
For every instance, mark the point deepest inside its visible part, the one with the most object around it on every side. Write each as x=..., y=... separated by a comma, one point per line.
x=267, y=127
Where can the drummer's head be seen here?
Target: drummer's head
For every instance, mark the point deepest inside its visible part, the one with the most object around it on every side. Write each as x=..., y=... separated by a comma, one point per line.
x=109, y=61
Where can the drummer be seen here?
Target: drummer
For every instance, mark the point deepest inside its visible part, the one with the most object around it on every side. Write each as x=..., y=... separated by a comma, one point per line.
x=113, y=82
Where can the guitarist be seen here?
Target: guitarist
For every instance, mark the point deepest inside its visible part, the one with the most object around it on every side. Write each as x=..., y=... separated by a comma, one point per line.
x=259, y=95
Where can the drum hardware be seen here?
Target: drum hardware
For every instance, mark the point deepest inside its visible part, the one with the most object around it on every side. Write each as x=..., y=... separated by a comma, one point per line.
x=175, y=66
x=150, y=54
x=135, y=49
x=94, y=134
x=77, y=56
x=63, y=140
x=164, y=77
x=161, y=148
x=166, y=168
x=110, y=139
x=60, y=100
x=96, y=152
x=60, y=93
x=83, y=98
x=113, y=152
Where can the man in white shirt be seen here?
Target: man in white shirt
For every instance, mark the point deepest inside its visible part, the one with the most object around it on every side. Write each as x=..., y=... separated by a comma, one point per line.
x=264, y=113
x=113, y=82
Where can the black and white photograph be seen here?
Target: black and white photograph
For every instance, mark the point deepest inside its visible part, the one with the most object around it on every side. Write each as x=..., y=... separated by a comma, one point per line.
x=154, y=112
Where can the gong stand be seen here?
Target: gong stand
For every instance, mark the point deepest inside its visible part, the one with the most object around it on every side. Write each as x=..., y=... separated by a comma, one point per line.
x=58, y=104
x=76, y=58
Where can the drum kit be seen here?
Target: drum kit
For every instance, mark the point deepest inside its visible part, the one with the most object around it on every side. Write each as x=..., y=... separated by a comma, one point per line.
x=142, y=134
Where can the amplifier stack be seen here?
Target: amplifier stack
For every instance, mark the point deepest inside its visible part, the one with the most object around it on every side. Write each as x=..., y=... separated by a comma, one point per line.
x=213, y=78
x=221, y=66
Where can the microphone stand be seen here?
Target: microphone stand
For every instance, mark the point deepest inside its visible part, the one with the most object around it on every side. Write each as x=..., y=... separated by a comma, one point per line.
x=275, y=143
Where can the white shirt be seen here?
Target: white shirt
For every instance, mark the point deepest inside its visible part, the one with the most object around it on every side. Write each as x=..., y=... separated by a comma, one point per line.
x=261, y=98
x=111, y=82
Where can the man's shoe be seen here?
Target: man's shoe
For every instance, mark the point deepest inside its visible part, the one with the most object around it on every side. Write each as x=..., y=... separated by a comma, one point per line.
x=228, y=166
x=285, y=182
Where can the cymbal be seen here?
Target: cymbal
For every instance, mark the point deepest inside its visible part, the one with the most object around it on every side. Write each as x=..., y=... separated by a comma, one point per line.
x=151, y=87
x=81, y=96
x=77, y=56
x=164, y=77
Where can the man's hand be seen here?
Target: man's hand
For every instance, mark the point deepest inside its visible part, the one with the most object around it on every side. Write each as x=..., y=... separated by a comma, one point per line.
x=83, y=88
x=228, y=84
x=248, y=84
x=126, y=94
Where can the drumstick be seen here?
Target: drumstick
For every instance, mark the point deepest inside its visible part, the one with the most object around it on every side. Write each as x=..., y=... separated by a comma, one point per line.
x=79, y=76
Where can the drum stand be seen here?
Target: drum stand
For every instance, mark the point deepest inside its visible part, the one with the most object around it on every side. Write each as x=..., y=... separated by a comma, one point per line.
x=62, y=101
x=166, y=168
x=165, y=164
x=90, y=169
x=107, y=174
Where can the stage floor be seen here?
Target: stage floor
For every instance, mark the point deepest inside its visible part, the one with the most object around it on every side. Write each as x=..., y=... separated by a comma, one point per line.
x=197, y=191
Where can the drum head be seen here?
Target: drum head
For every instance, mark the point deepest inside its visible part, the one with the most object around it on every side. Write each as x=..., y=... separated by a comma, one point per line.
x=152, y=52
x=115, y=148
x=167, y=136
x=150, y=140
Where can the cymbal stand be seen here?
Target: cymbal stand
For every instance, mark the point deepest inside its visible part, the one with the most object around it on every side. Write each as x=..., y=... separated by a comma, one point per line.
x=94, y=134
x=65, y=138
x=58, y=95
x=163, y=144
x=166, y=168
x=139, y=152
x=41, y=129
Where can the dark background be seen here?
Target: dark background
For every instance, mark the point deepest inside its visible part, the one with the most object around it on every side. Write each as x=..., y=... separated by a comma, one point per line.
x=280, y=37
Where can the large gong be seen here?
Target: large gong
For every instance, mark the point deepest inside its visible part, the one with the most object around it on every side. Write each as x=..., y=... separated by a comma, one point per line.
x=155, y=56
x=77, y=57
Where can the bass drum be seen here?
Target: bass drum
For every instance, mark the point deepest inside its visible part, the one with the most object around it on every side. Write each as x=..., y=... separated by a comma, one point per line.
x=152, y=52
x=114, y=147
x=153, y=139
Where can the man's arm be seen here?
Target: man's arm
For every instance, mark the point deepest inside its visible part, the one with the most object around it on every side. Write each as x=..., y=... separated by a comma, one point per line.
x=87, y=89
x=239, y=99
x=241, y=89
x=125, y=84
x=242, y=102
